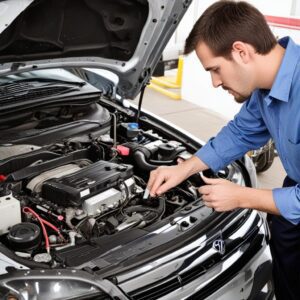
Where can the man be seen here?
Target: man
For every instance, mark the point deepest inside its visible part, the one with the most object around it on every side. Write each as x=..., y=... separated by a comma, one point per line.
x=234, y=43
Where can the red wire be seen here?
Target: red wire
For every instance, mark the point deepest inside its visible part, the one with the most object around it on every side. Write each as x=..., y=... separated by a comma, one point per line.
x=28, y=209
x=52, y=226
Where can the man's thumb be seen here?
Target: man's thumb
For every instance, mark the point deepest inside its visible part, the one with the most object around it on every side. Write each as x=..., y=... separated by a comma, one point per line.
x=209, y=180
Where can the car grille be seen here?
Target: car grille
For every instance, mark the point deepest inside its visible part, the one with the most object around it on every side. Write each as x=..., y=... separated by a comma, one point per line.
x=230, y=272
x=166, y=286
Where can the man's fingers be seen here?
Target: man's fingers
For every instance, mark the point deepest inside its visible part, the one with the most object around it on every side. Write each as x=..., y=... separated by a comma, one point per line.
x=164, y=187
x=207, y=198
x=205, y=189
x=208, y=203
x=211, y=180
x=158, y=182
x=155, y=180
x=151, y=180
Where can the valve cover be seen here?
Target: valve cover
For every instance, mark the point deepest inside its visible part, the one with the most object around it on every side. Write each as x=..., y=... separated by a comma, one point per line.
x=72, y=190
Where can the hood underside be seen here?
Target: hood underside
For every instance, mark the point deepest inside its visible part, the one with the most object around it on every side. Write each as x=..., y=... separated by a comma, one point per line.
x=108, y=29
x=126, y=37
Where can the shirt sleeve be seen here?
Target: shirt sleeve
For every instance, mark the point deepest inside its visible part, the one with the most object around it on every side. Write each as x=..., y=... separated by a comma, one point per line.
x=290, y=209
x=247, y=131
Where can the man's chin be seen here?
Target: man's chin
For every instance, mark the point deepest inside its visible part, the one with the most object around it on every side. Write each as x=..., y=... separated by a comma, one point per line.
x=240, y=99
x=237, y=97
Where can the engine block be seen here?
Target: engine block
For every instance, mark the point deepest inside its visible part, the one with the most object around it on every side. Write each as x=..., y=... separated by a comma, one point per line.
x=72, y=190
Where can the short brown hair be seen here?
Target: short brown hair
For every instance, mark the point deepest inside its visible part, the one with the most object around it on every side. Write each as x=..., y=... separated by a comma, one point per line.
x=225, y=22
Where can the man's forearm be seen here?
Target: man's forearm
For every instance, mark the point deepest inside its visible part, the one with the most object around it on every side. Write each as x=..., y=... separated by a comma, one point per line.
x=194, y=165
x=257, y=199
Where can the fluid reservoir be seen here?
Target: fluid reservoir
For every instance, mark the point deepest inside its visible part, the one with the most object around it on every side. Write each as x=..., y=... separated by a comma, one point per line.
x=10, y=212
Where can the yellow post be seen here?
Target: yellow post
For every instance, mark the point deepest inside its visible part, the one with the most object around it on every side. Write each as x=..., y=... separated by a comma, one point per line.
x=162, y=84
x=179, y=70
x=166, y=92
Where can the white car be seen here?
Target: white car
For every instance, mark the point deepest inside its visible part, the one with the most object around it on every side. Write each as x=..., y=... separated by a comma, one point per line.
x=75, y=157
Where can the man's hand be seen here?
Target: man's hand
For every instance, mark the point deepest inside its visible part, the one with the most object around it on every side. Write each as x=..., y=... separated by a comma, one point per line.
x=220, y=194
x=164, y=178
x=223, y=195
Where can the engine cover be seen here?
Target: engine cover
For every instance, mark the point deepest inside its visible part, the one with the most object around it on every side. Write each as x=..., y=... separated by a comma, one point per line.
x=72, y=190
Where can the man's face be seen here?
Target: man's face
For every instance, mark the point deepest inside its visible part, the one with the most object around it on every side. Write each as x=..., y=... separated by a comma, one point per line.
x=231, y=74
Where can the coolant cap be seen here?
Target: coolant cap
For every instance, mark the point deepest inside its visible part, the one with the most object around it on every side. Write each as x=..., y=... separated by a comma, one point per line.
x=133, y=126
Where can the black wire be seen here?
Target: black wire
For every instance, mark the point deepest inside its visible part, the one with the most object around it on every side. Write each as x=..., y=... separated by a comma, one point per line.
x=140, y=180
x=123, y=205
x=186, y=193
x=140, y=103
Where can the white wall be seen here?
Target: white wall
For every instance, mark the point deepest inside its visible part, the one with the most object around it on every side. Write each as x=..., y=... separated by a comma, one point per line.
x=196, y=84
x=273, y=7
x=281, y=32
x=176, y=43
x=197, y=88
x=296, y=8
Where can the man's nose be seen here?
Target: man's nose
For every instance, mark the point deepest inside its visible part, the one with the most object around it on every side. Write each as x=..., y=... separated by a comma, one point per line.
x=216, y=81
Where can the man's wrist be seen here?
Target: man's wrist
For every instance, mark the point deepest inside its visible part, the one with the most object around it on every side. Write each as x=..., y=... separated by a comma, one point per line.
x=241, y=197
x=194, y=165
x=246, y=197
x=256, y=199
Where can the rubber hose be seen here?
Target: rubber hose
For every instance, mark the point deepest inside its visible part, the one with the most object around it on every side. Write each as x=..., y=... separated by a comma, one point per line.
x=141, y=162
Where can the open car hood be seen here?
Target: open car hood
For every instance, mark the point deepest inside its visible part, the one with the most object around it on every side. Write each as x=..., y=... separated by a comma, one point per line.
x=126, y=37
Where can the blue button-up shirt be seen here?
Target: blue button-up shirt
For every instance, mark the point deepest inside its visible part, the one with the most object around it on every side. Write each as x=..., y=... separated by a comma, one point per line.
x=268, y=113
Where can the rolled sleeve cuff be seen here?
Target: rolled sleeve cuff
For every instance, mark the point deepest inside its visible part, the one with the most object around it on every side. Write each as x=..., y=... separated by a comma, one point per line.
x=208, y=155
x=287, y=203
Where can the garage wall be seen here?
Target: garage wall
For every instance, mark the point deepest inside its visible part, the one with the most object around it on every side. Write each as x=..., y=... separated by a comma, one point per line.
x=276, y=8
x=196, y=85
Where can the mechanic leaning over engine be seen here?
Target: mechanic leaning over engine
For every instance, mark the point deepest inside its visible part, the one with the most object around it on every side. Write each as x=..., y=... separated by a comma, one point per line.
x=235, y=44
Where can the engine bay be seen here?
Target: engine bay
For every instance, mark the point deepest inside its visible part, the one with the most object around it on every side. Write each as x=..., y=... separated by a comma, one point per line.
x=88, y=185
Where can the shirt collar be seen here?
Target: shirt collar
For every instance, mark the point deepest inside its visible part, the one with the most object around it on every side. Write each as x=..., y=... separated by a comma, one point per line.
x=281, y=87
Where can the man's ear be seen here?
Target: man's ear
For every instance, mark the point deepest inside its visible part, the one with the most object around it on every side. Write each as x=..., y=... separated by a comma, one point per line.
x=241, y=52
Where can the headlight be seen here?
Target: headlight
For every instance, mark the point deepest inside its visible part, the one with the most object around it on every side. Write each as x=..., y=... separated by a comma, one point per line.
x=232, y=173
x=251, y=170
x=53, y=285
x=48, y=289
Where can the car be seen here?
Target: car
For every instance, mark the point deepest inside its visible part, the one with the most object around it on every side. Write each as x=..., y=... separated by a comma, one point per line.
x=77, y=221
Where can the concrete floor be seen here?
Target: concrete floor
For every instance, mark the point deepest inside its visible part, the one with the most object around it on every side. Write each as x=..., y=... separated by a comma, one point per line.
x=202, y=123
